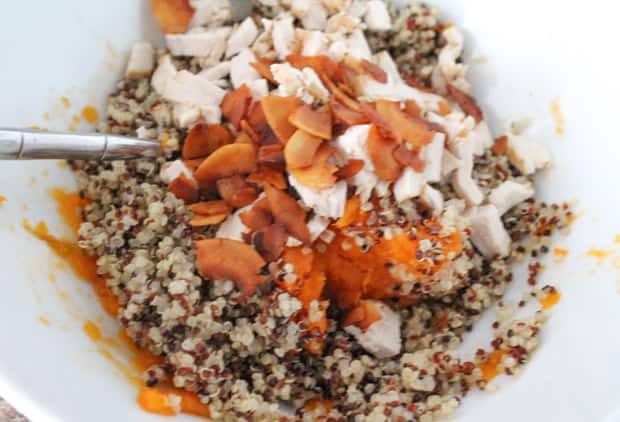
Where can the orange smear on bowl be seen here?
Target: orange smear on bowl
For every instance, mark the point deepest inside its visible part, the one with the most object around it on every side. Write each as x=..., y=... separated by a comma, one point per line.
x=550, y=300
x=65, y=101
x=490, y=368
x=557, y=117
x=90, y=114
x=69, y=206
x=2, y=199
x=154, y=400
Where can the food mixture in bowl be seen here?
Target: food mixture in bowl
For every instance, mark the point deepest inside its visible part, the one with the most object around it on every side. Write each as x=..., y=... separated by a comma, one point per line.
x=329, y=217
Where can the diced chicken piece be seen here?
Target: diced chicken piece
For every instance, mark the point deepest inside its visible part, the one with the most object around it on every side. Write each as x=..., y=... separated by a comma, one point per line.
x=462, y=182
x=233, y=228
x=259, y=88
x=518, y=126
x=242, y=37
x=336, y=6
x=185, y=115
x=173, y=169
x=293, y=242
x=283, y=35
x=357, y=8
x=358, y=45
x=144, y=133
x=488, y=232
x=314, y=43
x=219, y=71
x=211, y=114
x=241, y=71
x=432, y=198
x=456, y=123
x=527, y=156
x=304, y=84
x=377, y=17
x=432, y=154
x=317, y=226
x=326, y=202
x=385, y=62
x=371, y=90
x=165, y=71
x=342, y=23
x=141, y=61
x=312, y=13
x=452, y=71
x=211, y=43
x=382, y=189
x=337, y=50
x=409, y=185
x=352, y=145
x=481, y=137
x=509, y=194
x=210, y=13
x=449, y=163
x=185, y=87
x=382, y=338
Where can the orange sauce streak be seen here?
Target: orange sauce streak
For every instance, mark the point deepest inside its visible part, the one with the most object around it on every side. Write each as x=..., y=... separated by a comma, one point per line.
x=69, y=206
x=154, y=400
x=550, y=300
x=599, y=254
x=43, y=320
x=65, y=101
x=557, y=117
x=560, y=252
x=90, y=114
x=617, y=238
x=76, y=119
x=164, y=142
x=490, y=368
x=2, y=199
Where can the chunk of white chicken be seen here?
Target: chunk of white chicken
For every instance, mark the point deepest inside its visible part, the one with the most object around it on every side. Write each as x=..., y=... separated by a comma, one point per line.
x=409, y=185
x=452, y=71
x=259, y=88
x=481, y=137
x=449, y=163
x=488, y=232
x=211, y=114
x=342, y=23
x=357, y=8
x=509, y=194
x=432, y=154
x=304, y=84
x=210, y=13
x=462, y=181
x=165, y=71
x=527, y=156
x=185, y=87
x=209, y=44
x=219, y=71
x=313, y=43
x=241, y=37
x=185, y=115
x=141, y=60
x=336, y=6
x=432, y=198
x=328, y=202
x=283, y=35
x=358, y=45
x=382, y=338
x=377, y=17
x=317, y=225
x=241, y=70
x=311, y=13
x=173, y=169
x=387, y=63
x=368, y=89
x=352, y=144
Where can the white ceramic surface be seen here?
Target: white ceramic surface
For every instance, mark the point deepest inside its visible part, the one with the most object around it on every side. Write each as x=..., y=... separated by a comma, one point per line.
x=533, y=52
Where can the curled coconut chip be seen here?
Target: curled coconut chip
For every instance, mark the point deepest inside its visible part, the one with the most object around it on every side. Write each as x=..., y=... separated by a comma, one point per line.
x=272, y=155
x=270, y=241
x=467, y=103
x=381, y=152
x=226, y=161
x=300, y=149
x=350, y=169
x=416, y=132
x=287, y=212
x=409, y=157
x=236, y=104
x=258, y=217
x=203, y=139
x=174, y=16
x=276, y=110
x=319, y=175
x=209, y=212
x=184, y=188
x=346, y=115
x=266, y=175
x=315, y=122
x=262, y=66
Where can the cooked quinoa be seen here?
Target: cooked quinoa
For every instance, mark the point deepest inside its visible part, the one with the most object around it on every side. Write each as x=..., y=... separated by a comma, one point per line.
x=244, y=354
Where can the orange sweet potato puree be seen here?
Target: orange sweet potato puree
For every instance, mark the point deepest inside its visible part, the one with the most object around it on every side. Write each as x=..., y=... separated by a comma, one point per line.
x=157, y=401
x=490, y=368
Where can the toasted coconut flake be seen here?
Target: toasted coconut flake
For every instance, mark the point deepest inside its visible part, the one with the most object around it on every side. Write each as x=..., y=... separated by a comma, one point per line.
x=363, y=315
x=320, y=64
x=243, y=138
x=289, y=213
x=409, y=158
x=341, y=96
x=416, y=132
x=346, y=115
x=320, y=175
x=270, y=241
x=211, y=207
x=381, y=154
x=193, y=164
x=268, y=175
x=466, y=102
x=203, y=139
x=249, y=130
x=236, y=104
x=184, y=188
x=300, y=149
x=266, y=136
x=374, y=71
x=317, y=123
x=413, y=109
x=200, y=220
x=243, y=197
x=227, y=161
x=226, y=259
x=444, y=108
x=173, y=16
x=272, y=155
x=387, y=128
x=228, y=186
x=263, y=69
x=277, y=110
x=415, y=83
x=500, y=146
x=350, y=169
x=256, y=118
x=258, y=217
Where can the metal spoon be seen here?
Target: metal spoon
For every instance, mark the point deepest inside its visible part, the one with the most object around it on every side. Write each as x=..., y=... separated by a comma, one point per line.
x=26, y=144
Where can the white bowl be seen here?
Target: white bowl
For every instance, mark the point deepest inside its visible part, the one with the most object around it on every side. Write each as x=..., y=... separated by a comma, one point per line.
x=533, y=52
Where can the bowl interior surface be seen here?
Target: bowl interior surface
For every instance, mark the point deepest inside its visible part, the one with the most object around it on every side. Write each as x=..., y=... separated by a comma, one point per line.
x=523, y=56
